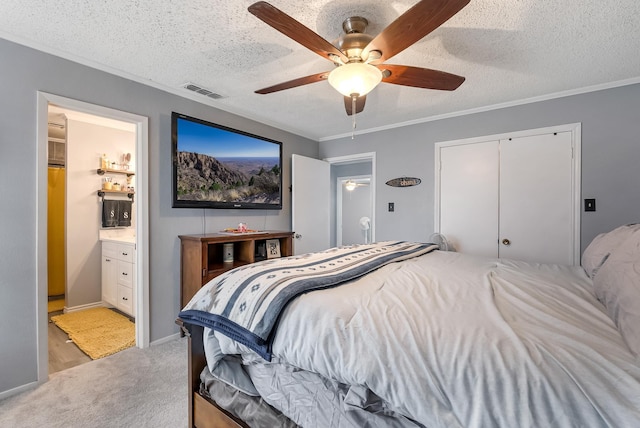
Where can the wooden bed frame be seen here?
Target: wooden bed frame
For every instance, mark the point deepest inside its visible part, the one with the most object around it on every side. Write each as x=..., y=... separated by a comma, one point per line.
x=203, y=412
x=200, y=261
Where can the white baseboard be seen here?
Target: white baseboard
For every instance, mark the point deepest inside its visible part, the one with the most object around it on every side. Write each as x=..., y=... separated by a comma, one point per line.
x=18, y=390
x=32, y=385
x=68, y=309
x=165, y=339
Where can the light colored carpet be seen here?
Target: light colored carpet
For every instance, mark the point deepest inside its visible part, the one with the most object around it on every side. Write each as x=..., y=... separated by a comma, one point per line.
x=133, y=388
x=98, y=332
x=55, y=305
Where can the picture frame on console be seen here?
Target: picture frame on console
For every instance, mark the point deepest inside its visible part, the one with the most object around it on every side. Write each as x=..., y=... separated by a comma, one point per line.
x=273, y=248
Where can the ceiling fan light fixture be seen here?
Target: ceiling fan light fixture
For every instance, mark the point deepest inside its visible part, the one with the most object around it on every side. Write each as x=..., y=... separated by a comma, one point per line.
x=350, y=185
x=355, y=78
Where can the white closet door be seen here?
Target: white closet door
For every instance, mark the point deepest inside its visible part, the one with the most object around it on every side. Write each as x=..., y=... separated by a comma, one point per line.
x=511, y=196
x=536, y=198
x=469, y=197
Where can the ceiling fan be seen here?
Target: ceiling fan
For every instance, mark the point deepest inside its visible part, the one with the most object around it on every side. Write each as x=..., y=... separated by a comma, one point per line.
x=359, y=58
x=351, y=185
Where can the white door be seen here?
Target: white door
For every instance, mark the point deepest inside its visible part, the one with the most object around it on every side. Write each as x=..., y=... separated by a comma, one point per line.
x=310, y=204
x=511, y=197
x=469, y=175
x=536, y=198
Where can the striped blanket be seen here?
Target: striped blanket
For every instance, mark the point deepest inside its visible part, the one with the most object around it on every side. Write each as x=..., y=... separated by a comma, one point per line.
x=245, y=303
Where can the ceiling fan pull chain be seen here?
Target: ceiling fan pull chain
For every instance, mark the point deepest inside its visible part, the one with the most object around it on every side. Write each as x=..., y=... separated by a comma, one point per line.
x=353, y=115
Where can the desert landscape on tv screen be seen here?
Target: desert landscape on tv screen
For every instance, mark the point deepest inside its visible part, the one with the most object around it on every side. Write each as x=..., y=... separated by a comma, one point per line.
x=216, y=165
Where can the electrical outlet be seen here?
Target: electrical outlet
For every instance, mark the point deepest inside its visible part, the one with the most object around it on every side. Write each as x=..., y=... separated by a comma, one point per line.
x=392, y=207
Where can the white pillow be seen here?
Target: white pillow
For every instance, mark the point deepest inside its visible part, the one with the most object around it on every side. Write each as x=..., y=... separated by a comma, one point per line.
x=602, y=246
x=617, y=285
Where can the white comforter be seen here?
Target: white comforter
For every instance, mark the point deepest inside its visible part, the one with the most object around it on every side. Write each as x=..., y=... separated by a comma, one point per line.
x=449, y=340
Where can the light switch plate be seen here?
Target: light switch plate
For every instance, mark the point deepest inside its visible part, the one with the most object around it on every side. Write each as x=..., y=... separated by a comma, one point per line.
x=589, y=204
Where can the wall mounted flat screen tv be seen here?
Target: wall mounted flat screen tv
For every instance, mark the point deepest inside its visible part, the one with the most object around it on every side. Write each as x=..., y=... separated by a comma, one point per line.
x=219, y=167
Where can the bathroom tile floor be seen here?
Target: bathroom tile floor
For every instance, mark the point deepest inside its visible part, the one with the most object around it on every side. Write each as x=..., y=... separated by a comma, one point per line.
x=63, y=354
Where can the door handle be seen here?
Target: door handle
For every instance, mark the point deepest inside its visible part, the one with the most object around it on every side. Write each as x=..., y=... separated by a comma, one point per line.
x=505, y=241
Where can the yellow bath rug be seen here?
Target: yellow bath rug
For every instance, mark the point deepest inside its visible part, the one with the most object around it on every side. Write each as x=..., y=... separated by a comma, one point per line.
x=98, y=332
x=55, y=305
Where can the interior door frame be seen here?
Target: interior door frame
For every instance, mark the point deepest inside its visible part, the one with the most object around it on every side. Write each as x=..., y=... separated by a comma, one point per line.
x=357, y=158
x=576, y=141
x=142, y=217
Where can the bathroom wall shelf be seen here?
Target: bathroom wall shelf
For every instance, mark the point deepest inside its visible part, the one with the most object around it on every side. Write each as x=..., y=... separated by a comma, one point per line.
x=102, y=171
x=103, y=192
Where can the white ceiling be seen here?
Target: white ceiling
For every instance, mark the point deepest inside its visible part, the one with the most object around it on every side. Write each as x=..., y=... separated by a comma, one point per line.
x=508, y=50
x=58, y=115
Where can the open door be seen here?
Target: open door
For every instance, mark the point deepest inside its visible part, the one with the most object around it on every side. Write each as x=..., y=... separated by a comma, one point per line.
x=310, y=211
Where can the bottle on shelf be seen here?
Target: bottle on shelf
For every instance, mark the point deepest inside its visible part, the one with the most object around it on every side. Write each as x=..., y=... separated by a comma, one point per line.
x=104, y=161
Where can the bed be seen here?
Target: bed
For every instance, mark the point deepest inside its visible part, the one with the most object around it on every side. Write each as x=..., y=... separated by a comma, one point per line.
x=419, y=338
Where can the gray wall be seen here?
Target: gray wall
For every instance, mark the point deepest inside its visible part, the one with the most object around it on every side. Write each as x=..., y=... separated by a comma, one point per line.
x=23, y=72
x=610, y=158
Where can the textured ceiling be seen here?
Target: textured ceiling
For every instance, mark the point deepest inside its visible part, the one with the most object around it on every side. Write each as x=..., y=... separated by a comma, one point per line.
x=508, y=50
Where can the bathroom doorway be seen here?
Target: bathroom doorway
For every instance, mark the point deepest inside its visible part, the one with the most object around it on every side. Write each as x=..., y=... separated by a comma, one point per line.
x=81, y=277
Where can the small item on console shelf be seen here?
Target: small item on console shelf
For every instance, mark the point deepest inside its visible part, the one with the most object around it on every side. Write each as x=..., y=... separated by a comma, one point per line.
x=261, y=250
x=227, y=252
x=242, y=228
x=273, y=248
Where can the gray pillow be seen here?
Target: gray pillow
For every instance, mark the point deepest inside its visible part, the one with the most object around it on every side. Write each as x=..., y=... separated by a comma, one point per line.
x=602, y=246
x=617, y=286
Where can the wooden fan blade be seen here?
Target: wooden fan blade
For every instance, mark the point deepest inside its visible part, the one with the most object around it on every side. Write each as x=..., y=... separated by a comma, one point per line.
x=294, y=83
x=295, y=30
x=348, y=104
x=413, y=25
x=420, y=77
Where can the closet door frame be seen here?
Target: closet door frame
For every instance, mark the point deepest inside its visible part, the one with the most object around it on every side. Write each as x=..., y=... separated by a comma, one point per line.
x=576, y=136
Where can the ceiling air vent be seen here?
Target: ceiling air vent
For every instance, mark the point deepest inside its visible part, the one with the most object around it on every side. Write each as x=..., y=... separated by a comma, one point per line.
x=202, y=91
